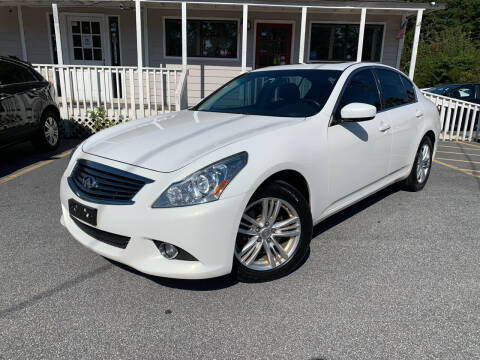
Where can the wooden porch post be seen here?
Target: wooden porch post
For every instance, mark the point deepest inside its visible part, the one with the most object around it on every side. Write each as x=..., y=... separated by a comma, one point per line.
x=138, y=17
x=400, y=45
x=58, y=38
x=244, y=37
x=416, y=39
x=184, y=36
x=22, y=32
x=303, y=24
x=361, y=34
x=145, y=35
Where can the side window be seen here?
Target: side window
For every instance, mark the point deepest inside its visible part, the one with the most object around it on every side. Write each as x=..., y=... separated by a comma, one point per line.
x=361, y=88
x=392, y=89
x=13, y=74
x=411, y=97
x=466, y=92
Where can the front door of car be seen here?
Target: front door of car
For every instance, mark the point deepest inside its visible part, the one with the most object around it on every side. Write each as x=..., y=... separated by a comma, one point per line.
x=359, y=151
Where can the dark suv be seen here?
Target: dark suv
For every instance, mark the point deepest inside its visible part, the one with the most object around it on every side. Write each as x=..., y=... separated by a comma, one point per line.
x=28, y=110
x=466, y=92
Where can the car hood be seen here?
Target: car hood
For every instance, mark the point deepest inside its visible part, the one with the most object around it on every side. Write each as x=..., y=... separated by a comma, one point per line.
x=166, y=143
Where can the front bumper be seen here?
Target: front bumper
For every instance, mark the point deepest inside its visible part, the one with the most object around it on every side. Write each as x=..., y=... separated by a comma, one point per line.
x=206, y=231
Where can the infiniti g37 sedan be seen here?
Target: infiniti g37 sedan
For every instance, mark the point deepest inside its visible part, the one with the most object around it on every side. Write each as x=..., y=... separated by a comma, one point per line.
x=236, y=183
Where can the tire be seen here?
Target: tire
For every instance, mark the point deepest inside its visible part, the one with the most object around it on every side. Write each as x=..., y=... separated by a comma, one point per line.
x=288, y=244
x=421, y=167
x=48, y=136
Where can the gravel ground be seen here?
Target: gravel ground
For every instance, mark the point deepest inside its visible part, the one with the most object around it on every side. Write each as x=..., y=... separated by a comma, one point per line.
x=394, y=277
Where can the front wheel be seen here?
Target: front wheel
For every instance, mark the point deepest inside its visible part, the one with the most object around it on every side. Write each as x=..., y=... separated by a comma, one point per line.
x=421, y=167
x=274, y=234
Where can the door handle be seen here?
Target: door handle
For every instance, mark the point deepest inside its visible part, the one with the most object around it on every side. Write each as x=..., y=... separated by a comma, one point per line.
x=419, y=114
x=384, y=127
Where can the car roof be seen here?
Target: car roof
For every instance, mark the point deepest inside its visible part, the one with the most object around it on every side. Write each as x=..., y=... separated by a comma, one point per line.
x=15, y=59
x=456, y=84
x=341, y=66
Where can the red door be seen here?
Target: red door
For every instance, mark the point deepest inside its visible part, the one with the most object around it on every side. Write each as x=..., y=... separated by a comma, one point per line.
x=273, y=44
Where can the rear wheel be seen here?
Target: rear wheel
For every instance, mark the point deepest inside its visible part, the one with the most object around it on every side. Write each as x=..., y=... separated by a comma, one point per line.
x=48, y=136
x=274, y=234
x=421, y=167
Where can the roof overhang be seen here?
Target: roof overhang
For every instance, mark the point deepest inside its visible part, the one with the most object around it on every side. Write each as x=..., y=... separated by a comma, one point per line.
x=391, y=6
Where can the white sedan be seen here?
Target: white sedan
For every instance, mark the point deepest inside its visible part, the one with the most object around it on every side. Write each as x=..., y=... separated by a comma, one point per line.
x=236, y=183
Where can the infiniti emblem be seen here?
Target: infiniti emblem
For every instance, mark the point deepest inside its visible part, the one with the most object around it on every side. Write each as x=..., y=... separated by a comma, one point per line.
x=89, y=182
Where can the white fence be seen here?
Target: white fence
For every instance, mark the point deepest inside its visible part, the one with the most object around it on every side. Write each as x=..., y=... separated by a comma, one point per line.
x=460, y=119
x=116, y=89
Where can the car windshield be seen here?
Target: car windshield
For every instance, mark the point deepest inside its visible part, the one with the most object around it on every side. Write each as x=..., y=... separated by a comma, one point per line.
x=284, y=93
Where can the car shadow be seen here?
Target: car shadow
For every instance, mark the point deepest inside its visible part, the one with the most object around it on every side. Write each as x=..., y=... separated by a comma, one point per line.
x=212, y=284
x=354, y=209
x=19, y=156
x=227, y=281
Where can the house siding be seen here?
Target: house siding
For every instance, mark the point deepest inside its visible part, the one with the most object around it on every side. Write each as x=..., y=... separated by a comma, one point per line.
x=205, y=75
x=9, y=32
x=37, y=33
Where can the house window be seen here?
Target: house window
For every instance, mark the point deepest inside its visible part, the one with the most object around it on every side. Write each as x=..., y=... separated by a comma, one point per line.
x=339, y=42
x=86, y=40
x=205, y=38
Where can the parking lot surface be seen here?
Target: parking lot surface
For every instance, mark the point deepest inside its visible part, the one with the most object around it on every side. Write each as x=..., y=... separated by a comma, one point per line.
x=393, y=277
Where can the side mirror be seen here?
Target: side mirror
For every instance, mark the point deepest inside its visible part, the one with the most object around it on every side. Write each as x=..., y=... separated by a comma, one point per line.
x=358, y=112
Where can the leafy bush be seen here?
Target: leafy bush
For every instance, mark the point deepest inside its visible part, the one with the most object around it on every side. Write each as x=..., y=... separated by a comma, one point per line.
x=449, y=49
x=100, y=120
x=448, y=57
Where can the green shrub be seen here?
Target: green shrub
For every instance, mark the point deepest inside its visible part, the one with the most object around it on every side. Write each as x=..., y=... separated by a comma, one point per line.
x=449, y=57
x=100, y=119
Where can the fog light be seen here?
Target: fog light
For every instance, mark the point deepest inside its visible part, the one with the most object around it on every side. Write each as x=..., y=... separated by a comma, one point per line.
x=168, y=250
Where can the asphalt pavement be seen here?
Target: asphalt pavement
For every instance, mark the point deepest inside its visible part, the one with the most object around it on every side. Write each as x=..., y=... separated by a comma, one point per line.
x=393, y=277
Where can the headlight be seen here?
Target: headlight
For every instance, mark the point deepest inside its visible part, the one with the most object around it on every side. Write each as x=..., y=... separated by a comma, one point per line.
x=203, y=186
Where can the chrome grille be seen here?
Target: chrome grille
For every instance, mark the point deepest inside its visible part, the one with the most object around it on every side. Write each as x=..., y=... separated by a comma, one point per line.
x=103, y=184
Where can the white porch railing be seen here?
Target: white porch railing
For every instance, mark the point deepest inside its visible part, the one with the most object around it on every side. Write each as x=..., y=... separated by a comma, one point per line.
x=81, y=89
x=458, y=118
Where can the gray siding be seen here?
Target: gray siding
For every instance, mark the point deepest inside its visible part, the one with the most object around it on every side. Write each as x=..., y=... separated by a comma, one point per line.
x=37, y=33
x=9, y=32
x=205, y=75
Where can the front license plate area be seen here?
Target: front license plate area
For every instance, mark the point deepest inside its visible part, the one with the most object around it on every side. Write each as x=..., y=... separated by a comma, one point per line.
x=82, y=212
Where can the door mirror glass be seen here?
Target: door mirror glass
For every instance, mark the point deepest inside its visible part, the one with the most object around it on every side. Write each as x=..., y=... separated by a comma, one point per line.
x=358, y=112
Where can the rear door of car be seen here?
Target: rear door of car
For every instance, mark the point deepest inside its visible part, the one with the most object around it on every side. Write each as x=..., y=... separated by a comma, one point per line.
x=404, y=113
x=10, y=118
x=21, y=104
x=360, y=151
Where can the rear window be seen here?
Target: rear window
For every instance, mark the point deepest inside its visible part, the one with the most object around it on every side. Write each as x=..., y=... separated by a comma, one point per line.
x=11, y=73
x=281, y=93
x=409, y=88
x=393, y=91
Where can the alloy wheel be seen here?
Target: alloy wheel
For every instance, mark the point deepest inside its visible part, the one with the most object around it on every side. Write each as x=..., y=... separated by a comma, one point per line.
x=423, y=163
x=268, y=235
x=50, y=130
